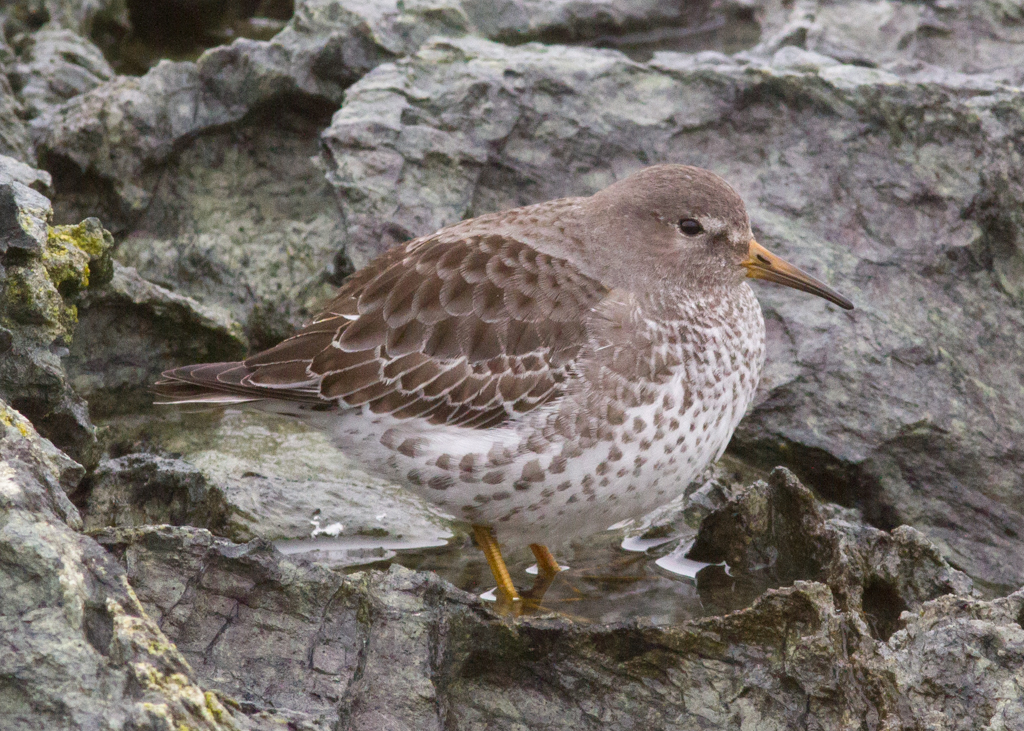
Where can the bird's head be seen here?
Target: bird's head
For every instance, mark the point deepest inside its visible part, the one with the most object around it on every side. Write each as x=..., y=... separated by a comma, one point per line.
x=676, y=223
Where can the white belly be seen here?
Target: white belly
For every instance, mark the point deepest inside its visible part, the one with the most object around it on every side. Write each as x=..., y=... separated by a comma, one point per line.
x=537, y=480
x=525, y=494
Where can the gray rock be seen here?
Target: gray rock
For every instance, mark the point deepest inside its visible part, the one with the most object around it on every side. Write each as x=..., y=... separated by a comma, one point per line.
x=44, y=270
x=402, y=650
x=248, y=475
x=322, y=50
x=131, y=330
x=776, y=530
x=14, y=137
x=141, y=489
x=244, y=221
x=958, y=35
x=203, y=166
x=908, y=407
x=15, y=171
x=272, y=634
x=79, y=651
x=84, y=17
x=54, y=66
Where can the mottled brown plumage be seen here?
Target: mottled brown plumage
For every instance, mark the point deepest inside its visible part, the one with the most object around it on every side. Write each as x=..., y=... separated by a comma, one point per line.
x=551, y=369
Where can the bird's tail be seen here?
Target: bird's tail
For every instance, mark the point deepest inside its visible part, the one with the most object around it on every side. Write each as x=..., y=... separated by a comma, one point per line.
x=222, y=384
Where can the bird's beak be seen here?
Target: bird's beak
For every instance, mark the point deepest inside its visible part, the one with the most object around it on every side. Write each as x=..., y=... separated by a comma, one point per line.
x=763, y=264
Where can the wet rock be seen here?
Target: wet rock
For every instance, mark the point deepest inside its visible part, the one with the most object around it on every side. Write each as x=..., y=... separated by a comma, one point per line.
x=245, y=475
x=79, y=651
x=131, y=330
x=910, y=413
x=406, y=650
x=54, y=66
x=44, y=270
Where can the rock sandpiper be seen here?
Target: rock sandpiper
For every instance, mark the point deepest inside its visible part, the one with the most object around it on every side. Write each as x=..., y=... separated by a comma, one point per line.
x=543, y=372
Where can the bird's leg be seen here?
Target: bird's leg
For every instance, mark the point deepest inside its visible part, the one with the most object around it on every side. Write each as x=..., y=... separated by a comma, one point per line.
x=489, y=545
x=547, y=567
x=546, y=563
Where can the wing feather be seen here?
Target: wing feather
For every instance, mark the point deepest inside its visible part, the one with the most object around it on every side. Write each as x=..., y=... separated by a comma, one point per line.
x=454, y=328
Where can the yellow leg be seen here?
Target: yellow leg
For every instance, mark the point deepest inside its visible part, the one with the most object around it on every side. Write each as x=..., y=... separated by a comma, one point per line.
x=546, y=563
x=547, y=567
x=489, y=545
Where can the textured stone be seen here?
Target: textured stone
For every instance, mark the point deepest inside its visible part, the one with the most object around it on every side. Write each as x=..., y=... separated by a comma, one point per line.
x=896, y=179
x=54, y=66
x=12, y=170
x=403, y=650
x=203, y=166
x=140, y=489
x=78, y=649
x=272, y=634
x=84, y=17
x=776, y=531
x=843, y=172
x=247, y=475
x=14, y=137
x=960, y=36
x=130, y=330
x=44, y=271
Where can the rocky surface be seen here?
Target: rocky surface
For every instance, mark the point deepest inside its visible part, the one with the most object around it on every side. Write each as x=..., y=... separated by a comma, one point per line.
x=44, y=271
x=54, y=66
x=202, y=168
x=130, y=330
x=246, y=476
x=877, y=145
x=404, y=650
x=951, y=35
x=79, y=650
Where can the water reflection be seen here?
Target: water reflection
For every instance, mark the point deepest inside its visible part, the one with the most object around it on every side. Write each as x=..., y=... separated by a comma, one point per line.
x=605, y=584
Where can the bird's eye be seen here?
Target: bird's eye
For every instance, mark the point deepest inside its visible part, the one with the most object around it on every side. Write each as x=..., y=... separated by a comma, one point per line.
x=690, y=227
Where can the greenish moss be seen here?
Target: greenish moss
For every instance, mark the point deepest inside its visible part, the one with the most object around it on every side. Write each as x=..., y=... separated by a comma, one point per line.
x=66, y=262
x=87, y=236
x=31, y=299
x=10, y=417
x=86, y=242
x=374, y=532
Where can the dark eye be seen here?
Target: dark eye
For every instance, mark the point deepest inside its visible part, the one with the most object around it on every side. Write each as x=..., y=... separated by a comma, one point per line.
x=690, y=227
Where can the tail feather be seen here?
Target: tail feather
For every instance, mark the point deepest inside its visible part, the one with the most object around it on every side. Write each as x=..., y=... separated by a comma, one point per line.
x=226, y=383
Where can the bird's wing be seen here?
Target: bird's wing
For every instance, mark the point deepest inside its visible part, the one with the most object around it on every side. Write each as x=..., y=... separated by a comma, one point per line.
x=458, y=329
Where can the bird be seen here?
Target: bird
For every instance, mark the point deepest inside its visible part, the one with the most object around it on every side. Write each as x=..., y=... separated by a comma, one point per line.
x=543, y=372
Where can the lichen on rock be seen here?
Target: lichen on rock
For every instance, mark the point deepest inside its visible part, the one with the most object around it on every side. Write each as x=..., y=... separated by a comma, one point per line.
x=45, y=270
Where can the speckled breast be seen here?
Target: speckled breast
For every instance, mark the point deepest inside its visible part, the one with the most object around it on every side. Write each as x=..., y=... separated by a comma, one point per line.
x=656, y=398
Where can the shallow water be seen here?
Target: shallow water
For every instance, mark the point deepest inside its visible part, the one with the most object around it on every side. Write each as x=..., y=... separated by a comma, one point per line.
x=285, y=483
x=606, y=583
